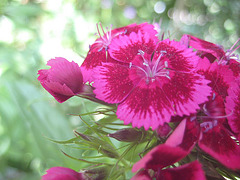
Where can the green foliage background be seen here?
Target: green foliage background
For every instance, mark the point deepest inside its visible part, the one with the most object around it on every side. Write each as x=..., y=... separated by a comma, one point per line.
x=33, y=31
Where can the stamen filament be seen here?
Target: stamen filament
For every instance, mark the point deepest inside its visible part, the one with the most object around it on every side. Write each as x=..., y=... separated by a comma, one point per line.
x=99, y=31
x=234, y=44
x=102, y=28
x=234, y=50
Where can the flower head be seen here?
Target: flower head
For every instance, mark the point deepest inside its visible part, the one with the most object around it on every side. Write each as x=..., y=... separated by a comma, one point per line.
x=152, y=81
x=63, y=80
x=207, y=129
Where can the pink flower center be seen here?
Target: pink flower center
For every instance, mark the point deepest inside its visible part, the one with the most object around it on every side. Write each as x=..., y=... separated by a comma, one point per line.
x=152, y=69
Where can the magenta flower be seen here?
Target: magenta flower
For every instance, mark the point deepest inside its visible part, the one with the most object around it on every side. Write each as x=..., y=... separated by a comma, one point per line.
x=152, y=81
x=63, y=80
x=207, y=128
x=98, y=52
x=62, y=173
x=163, y=156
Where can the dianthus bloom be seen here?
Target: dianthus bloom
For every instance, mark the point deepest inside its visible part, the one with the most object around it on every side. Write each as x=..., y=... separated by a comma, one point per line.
x=152, y=80
x=207, y=128
x=63, y=80
x=162, y=156
x=62, y=173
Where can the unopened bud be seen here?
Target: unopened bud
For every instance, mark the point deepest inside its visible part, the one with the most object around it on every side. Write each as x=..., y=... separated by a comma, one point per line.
x=98, y=173
x=164, y=130
x=85, y=137
x=128, y=135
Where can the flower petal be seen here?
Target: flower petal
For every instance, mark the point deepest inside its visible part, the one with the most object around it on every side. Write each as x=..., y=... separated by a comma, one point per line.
x=179, y=57
x=66, y=72
x=60, y=92
x=125, y=48
x=159, y=157
x=147, y=105
x=221, y=78
x=233, y=108
x=142, y=175
x=235, y=67
x=218, y=143
x=190, y=171
x=144, y=28
x=63, y=80
x=113, y=82
x=62, y=173
x=185, y=135
x=207, y=47
x=93, y=59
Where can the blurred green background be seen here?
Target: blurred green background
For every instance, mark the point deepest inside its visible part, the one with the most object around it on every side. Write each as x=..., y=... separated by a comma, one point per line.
x=34, y=31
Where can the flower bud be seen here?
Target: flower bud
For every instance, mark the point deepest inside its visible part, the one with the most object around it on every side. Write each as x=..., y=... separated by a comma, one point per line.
x=164, y=130
x=63, y=80
x=128, y=135
x=98, y=173
x=63, y=173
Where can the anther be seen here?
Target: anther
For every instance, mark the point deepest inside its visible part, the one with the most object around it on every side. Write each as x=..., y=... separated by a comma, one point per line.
x=208, y=125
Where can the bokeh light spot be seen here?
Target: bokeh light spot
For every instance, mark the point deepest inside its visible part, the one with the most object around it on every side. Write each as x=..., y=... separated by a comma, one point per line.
x=159, y=7
x=129, y=12
x=228, y=25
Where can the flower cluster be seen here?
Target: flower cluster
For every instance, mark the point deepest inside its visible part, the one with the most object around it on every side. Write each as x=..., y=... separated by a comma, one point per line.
x=185, y=92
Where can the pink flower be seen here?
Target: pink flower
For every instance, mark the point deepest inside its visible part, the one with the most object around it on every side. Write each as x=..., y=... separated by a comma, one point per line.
x=63, y=80
x=207, y=128
x=164, y=155
x=98, y=52
x=152, y=81
x=62, y=173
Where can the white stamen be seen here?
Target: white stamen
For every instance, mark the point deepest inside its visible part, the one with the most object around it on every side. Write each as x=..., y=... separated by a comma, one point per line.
x=130, y=65
x=140, y=52
x=166, y=64
x=145, y=64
